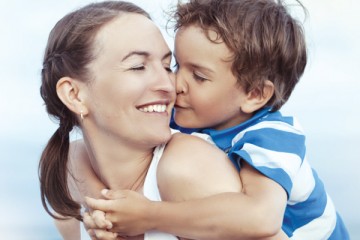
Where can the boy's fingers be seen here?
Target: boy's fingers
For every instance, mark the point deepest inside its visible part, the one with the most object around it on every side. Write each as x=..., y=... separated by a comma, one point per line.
x=100, y=220
x=91, y=233
x=88, y=221
x=111, y=194
x=100, y=204
x=102, y=234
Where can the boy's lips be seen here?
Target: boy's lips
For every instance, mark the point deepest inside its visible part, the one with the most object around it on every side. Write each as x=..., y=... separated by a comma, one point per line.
x=180, y=104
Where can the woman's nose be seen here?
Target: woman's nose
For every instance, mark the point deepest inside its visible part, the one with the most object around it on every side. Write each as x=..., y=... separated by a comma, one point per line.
x=165, y=80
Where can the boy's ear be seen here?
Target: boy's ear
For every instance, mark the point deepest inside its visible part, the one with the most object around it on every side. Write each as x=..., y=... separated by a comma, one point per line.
x=68, y=90
x=257, y=98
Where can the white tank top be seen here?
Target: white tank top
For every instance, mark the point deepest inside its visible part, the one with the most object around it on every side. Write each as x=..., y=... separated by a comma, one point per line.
x=151, y=191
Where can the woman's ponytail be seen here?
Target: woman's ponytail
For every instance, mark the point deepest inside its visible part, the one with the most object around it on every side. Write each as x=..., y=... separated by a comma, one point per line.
x=53, y=173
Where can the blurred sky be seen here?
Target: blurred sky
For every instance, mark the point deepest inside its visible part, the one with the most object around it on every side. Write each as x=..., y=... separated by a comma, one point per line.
x=326, y=101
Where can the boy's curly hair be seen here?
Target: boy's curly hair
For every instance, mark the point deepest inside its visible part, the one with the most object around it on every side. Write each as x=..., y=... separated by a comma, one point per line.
x=266, y=41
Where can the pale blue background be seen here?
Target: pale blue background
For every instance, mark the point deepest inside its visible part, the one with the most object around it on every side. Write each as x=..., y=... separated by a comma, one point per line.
x=326, y=102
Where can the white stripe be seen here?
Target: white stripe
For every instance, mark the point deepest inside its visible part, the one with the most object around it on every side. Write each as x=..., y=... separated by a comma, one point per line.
x=303, y=184
x=296, y=125
x=320, y=228
x=204, y=136
x=262, y=157
x=268, y=124
x=174, y=130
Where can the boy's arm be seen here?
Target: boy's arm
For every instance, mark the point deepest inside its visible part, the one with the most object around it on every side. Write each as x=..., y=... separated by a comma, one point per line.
x=79, y=169
x=82, y=174
x=255, y=213
x=83, y=181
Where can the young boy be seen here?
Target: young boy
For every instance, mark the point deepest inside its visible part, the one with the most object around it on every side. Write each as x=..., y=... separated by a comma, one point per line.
x=238, y=62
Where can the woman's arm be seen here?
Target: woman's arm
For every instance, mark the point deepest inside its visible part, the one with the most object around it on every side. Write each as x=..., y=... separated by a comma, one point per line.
x=69, y=229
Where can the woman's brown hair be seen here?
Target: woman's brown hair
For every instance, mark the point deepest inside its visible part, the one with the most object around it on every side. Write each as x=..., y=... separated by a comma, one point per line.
x=68, y=53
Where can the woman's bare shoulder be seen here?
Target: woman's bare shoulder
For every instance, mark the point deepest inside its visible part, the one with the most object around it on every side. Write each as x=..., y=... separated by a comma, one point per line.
x=193, y=167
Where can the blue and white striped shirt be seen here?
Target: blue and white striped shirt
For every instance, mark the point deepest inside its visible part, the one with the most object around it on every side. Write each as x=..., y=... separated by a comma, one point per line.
x=275, y=146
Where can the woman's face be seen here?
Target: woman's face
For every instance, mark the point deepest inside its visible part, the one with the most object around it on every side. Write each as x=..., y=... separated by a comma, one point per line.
x=132, y=91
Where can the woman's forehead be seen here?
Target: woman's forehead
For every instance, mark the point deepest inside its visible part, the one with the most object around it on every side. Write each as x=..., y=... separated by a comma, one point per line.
x=127, y=32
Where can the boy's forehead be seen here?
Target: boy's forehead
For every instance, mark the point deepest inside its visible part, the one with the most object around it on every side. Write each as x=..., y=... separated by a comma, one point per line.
x=194, y=49
x=209, y=33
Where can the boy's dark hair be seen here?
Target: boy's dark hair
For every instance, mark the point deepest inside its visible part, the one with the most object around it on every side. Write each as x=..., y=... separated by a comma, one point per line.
x=267, y=43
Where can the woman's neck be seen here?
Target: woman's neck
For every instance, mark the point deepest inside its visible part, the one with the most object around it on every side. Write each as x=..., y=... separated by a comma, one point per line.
x=119, y=166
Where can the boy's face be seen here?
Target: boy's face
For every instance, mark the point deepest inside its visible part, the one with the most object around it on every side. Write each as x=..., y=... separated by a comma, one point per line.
x=207, y=91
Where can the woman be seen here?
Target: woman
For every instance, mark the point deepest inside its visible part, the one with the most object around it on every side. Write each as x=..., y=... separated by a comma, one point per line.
x=107, y=71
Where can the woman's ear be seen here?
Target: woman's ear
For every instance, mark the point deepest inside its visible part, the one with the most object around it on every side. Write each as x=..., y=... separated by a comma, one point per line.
x=257, y=98
x=68, y=90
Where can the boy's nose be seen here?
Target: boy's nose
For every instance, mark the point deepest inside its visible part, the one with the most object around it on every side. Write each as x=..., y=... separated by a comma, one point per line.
x=180, y=84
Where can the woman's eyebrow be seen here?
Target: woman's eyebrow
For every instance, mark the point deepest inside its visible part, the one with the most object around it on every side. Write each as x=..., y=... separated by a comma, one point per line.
x=144, y=54
x=139, y=53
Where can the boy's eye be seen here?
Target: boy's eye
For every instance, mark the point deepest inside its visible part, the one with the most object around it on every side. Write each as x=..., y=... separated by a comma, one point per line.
x=197, y=77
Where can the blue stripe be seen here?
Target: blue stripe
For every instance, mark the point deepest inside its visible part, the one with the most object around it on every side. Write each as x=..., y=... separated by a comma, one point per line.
x=279, y=175
x=295, y=216
x=340, y=232
x=276, y=140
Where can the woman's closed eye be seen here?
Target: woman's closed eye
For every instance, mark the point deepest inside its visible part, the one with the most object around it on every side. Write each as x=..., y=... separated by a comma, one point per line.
x=139, y=67
x=168, y=68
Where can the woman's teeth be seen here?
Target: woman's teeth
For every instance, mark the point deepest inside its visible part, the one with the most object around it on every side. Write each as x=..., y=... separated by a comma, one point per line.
x=153, y=108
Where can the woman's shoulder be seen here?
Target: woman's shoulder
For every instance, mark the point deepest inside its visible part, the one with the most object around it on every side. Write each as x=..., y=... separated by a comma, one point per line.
x=184, y=152
x=191, y=167
x=189, y=147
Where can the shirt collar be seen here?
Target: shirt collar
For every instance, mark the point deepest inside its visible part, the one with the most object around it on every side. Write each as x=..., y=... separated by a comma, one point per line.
x=223, y=138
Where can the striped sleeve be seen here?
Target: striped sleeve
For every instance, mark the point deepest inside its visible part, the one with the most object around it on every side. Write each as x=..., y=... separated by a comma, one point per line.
x=274, y=148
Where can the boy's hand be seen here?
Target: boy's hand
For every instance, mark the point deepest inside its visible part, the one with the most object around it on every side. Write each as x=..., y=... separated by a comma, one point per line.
x=97, y=226
x=96, y=220
x=129, y=212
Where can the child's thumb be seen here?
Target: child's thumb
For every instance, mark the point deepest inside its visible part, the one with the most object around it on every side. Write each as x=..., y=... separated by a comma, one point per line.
x=112, y=195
